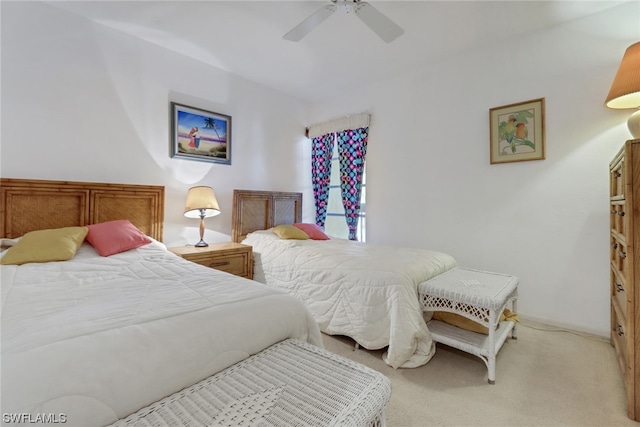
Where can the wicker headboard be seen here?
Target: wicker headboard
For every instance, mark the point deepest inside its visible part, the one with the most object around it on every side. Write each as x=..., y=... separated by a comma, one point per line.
x=261, y=210
x=28, y=205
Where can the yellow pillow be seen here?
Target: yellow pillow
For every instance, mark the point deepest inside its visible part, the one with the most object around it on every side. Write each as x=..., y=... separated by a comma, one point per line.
x=57, y=244
x=468, y=324
x=288, y=231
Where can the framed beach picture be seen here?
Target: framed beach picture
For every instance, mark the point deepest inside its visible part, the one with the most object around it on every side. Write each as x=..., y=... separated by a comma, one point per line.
x=517, y=132
x=200, y=135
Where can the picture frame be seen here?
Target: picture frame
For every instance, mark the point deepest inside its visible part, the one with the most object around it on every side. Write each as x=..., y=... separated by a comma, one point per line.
x=200, y=135
x=517, y=132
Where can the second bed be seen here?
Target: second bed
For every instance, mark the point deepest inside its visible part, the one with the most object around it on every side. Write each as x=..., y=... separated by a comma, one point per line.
x=364, y=291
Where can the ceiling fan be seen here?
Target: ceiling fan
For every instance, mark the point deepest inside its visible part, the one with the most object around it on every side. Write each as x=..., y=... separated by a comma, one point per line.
x=384, y=27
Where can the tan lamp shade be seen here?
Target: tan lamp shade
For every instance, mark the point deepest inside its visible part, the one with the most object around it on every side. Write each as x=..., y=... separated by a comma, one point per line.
x=201, y=200
x=625, y=90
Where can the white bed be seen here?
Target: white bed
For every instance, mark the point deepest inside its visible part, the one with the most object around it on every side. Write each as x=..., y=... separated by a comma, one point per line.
x=93, y=339
x=97, y=338
x=363, y=291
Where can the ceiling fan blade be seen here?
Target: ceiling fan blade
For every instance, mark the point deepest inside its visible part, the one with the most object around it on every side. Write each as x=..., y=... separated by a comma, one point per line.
x=305, y=27
x=384, y=27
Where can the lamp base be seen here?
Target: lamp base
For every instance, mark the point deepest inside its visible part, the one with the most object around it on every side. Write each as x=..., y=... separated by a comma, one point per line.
x=201, y=244
x=634, y=124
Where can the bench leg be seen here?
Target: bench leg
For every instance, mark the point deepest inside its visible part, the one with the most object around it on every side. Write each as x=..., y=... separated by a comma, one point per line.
x=491, y=359
x=514, y=308
x=492, y=369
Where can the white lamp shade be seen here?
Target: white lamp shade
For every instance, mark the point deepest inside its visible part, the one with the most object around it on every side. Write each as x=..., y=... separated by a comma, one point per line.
x=625, y=90
x=200, y=198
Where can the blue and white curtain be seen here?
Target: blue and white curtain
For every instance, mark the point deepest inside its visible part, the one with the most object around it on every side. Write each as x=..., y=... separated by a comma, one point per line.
x=322, y=147
x=352, y=149
x=351, y=134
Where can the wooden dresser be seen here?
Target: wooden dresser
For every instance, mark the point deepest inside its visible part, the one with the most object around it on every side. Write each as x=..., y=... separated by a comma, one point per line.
x=625, y=268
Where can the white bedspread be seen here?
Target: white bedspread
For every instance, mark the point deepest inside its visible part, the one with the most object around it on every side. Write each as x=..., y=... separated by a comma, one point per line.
x=94, y=339
x=364, y=291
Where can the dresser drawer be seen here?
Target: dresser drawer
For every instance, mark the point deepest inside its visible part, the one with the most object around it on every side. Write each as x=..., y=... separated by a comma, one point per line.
x=619, y=217
x=620, y=257
x=617, y=180
x=619, y=292
x=619, y=340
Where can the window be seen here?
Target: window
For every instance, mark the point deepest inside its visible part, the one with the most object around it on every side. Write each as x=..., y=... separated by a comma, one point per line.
x=335, y=224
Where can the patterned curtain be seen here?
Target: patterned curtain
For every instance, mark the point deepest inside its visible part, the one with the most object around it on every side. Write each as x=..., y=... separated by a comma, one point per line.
x=352, y=148
x=321, y=151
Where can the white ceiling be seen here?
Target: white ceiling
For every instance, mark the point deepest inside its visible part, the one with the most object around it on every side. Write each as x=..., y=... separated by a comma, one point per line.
x=245, y=37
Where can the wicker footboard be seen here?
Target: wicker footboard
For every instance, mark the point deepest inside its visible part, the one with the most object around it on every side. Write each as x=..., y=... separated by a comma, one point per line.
x=290, y=383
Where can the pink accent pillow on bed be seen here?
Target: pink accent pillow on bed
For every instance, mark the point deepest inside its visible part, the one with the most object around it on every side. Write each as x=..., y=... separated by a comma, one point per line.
x=113, y=237
x=313, y=230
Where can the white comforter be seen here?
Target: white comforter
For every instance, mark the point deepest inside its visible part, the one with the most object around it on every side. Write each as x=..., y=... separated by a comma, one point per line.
x=367, y=292
x=94, y=339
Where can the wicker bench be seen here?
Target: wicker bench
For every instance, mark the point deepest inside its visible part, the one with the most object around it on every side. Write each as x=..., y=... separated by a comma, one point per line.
x=290, y=383
x=480, y=296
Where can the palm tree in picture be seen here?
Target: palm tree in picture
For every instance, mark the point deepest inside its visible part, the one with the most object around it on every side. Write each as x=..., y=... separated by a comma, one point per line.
x=210, y=123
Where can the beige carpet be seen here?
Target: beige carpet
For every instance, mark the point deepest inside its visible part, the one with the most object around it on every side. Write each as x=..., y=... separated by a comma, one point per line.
x=547, y=377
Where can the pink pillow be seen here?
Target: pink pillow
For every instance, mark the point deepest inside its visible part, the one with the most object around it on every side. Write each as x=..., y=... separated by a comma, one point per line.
x=313, y=230
x=113, y=237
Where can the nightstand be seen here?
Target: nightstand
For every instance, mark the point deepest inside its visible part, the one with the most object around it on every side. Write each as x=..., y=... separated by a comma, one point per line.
x=234, y=258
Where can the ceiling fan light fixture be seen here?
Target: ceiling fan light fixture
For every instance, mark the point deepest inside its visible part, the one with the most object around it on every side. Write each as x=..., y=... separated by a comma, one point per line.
x=347, y=6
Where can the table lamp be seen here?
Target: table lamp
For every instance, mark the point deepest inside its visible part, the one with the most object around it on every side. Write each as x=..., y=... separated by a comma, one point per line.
x=625, y=90
x=201, y=203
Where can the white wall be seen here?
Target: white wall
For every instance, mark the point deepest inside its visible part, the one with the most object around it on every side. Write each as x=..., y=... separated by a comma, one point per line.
x=430, y=183
x=83, y=102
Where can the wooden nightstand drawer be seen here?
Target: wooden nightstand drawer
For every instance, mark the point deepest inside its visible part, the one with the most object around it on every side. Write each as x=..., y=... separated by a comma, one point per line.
x=234, y=264
x=233, y=258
